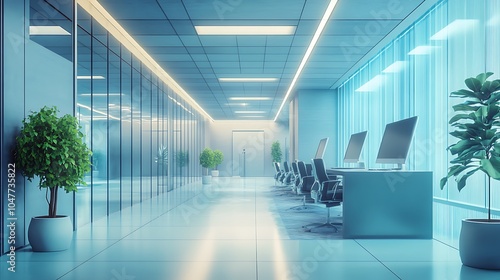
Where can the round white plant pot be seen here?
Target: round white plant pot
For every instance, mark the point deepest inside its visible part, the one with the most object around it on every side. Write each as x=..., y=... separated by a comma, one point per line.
x=479, y=243
x=206, y=179
x=50, y=234
x=215, y=173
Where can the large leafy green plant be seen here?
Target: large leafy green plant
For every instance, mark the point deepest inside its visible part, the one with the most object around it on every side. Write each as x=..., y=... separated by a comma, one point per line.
x=477, y=126
x=218, y=158
x=276, y=151
x=52, y=148
x=207, y=158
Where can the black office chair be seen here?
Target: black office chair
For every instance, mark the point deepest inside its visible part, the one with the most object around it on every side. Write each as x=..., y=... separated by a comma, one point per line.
x=278, y=171
x=286, y=177
x=329, y=192
x=305, y=185
x=296, y=177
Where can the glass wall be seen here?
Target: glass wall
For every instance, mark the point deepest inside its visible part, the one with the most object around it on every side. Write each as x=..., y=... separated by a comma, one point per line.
x=414, y=75
x=142, y=134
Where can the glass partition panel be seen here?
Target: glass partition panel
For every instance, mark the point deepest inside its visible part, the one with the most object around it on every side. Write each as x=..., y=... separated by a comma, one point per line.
x=83, y=113
x=114, y=124
x=136, y=116
x=100, y=121
x=126, y=128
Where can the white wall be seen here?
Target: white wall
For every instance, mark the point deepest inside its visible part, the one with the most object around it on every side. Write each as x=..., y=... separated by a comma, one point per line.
x=221, y=133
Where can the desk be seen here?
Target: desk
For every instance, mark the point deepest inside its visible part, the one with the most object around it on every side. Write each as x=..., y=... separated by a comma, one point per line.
x=386, y=203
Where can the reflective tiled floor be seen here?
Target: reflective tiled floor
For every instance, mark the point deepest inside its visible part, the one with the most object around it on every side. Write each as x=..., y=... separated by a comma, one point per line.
x=229, y=231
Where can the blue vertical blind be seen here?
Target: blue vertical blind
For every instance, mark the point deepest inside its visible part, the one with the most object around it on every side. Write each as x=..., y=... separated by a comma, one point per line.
x=414, y=75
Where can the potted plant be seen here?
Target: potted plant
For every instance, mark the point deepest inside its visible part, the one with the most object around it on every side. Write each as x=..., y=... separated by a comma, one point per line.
x=276, y=151
x=206, y=161
x=162, y=159
x=182, y=159
x=477, y=126
x=52, y=148
x=218, y=158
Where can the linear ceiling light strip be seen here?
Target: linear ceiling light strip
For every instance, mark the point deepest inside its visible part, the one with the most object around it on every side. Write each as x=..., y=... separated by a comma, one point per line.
x=309, y=50
x=114, y=28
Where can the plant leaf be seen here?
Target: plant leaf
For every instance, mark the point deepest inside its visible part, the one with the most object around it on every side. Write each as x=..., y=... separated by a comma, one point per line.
x=491, y=167
x=473, y=84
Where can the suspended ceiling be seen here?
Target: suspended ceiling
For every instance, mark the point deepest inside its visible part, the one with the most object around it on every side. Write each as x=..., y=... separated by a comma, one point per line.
x=166, y=30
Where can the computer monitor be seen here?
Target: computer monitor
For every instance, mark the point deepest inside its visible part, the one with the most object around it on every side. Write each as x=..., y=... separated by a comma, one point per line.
x=396, y=141
x=320, y=152
x=355, y=147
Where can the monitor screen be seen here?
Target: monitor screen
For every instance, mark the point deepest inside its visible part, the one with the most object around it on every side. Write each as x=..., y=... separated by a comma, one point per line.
x=354, y=147
x=320, y=152
x=396, y=141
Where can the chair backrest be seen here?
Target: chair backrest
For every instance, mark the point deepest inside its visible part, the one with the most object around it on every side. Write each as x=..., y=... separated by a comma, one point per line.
x=285, y=165
x=319, y=170
x=295, y=168
x=277, y=167
x=309, y=168
x=321, y=176
x=302, y=169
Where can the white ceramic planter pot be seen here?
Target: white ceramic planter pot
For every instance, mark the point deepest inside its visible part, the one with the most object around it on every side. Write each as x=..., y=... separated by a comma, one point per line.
x=215, y=173
x=206, y=179
x=50, y=234
x=479, y=243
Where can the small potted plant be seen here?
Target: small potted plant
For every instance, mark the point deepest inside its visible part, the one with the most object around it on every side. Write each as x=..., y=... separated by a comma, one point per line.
x=218, y=158
x=276, y=151
x=477, y=126
x=52, y=148
x=206, y=161
x=162, y=159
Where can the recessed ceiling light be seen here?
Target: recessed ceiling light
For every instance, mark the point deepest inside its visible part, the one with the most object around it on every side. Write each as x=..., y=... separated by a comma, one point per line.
x=248, y=79
x=310, y=48
x=245, y=30
x=90, y=77
x=101, y=94
x=236, y=104
x=372, y=85
x=48, y=30
x=251, y=116
x=458, y=26
x=396, y=67
x=249, y=112
x=250, y=98
x=422, y=50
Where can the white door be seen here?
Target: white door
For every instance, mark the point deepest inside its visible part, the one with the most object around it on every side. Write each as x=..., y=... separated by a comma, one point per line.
x=248, y=153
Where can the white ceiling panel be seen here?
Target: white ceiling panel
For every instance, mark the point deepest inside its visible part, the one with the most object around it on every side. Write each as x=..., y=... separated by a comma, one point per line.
x=165, y=28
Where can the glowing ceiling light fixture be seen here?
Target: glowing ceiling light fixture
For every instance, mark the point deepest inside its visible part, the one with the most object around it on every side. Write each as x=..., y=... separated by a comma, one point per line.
x=396, y=67
x=317, y=34
x=245, y=30
x=372, y=85
x=102, y=16
x=422, y=50
x=90, y=77
x=248, y=79
x=47, y=30
x=236, y=104
x=101, y=94
x=250, y=98
x=249, y=112
x=455, y=27
x=97, y=111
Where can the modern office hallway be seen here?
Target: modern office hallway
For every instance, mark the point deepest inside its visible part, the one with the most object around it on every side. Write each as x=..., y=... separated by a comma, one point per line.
x=230, y=230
